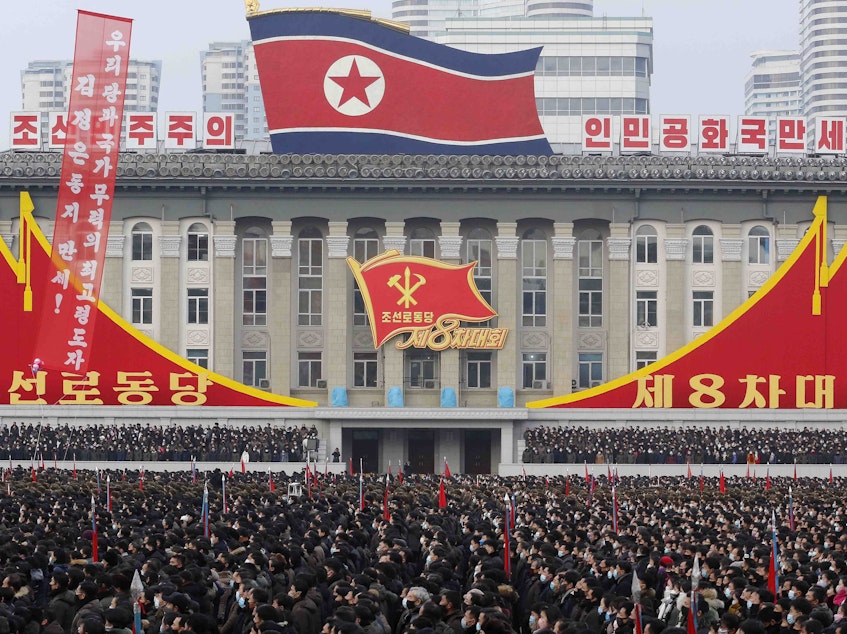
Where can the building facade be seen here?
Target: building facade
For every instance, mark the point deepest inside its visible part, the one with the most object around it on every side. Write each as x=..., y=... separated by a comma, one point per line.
x=597, y=266
x=772, y=87
x=231, y=84
x=823, y=53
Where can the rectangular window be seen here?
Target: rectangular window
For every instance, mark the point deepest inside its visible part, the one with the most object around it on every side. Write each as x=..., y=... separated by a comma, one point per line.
x=254, y=368
x=703, y=309
x=198, y=247
x=590, y=271
x=310, y=282
x=646, y=309
x=534, y=282
x=590, y=369
x=363, y=249
x=478, y=369
x=142, y=246
x=479, y=251
x=200, y=356
x=534, y=367
x=198, y=305
x=423, y=369
x=309, y=370
x=254, y=281
x=644, y=358
x=759, y=249
x=365, y=369
x=422, y=247
x=142, y=306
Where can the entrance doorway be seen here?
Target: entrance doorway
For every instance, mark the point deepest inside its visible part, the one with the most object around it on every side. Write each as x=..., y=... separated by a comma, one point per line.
x=366, y=450
x=477, y=451
x=422, y=450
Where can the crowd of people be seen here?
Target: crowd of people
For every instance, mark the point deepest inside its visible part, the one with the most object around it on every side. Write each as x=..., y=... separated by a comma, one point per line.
x=425, y=555
x=623, y=444
x=147, y=442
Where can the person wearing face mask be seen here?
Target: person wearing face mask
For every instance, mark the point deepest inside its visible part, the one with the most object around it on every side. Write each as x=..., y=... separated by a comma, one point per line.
x=305, y=614
x=415, y=597
x=470, y=619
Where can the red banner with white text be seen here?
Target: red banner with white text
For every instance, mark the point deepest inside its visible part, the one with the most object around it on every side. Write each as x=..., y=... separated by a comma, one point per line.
x=86, y=192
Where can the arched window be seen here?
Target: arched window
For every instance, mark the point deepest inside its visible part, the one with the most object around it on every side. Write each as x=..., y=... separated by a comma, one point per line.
x=254, y=278
x=758, y=246
x=646, y=245
x=365, y=246
x=534, y=278
x=310, y=249
x=142, y=242
x=590, y=278
x=702, y=245
x=198, y=243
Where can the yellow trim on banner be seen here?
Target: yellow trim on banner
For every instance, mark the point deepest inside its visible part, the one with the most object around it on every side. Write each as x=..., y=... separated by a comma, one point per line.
x=812, y=234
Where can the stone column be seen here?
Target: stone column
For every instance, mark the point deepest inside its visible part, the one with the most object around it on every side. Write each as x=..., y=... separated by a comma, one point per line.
x=171, y=287
x=393, y=372
x=620, y=296
x=112, y=288
x=732, y=284
x=225, y=299
x=450, y=248
x=507, y=302
x=561, y=324
x=507, y=443
x=677, y=318
x=338, y=288
x=280, y=313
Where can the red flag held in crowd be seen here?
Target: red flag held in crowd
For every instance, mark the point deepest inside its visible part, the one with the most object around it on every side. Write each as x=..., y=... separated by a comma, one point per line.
x=722, y=483
x=442, y=495
x=447, y=473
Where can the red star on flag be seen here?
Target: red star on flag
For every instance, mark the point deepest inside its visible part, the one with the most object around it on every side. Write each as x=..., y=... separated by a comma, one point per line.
x=354, y=85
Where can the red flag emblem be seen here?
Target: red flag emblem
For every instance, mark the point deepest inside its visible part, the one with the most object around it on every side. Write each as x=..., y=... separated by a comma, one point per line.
x=408, y=294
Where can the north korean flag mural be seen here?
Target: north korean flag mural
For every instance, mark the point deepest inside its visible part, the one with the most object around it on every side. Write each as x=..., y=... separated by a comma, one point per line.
x=785, y=347
x=125, y=366
x=339, y=82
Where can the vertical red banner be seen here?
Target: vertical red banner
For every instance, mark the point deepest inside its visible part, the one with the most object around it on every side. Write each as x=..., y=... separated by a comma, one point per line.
x=86, y=191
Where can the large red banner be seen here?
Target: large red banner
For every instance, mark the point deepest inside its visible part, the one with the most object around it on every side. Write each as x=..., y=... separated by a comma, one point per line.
x=86, y=192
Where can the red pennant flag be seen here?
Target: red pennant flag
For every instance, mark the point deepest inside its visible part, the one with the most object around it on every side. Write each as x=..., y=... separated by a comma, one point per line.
x=768, y=480
x=748, y=470
x=722, y=483
x=141, y=480
x=587, y=477
x=231, y=471
x=74, y=473
x=351, y=467
x=447, y=473
x=567, y=485
x=41, y=455
x=243, y=466
x=123, y=476
x=400, y=473
x=689, y=470
x=524, y=473
x=271, y=484
x=702, y=479
x=547, y=482
x=34, y=474
x=386, y=514
x=639, y=629
x=830, y=475
x=608, y=473
x=442, y=496
x=692, y=628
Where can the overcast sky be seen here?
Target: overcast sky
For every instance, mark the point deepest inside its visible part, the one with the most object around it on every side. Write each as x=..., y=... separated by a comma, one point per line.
x=701, y=47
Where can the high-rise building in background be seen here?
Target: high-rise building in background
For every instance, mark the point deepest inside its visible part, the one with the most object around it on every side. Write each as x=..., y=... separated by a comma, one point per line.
x=45, y=85
x=823, y=58
x=231, y=84
x=772, y=86
x=588, y=65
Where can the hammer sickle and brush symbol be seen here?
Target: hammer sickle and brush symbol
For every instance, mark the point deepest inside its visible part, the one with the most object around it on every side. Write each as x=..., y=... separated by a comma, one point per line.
x=407, y=289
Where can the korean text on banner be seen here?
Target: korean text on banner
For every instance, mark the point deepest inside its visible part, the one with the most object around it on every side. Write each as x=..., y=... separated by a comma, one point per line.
x=86, y=191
